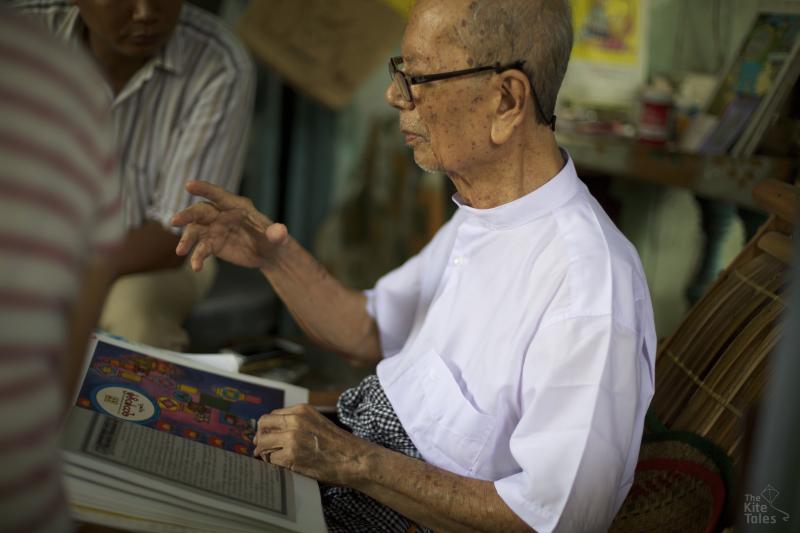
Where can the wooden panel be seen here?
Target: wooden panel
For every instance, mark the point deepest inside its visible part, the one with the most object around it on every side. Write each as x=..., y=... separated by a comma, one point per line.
x=778, y=198
x=777, y=245
x=325, y=48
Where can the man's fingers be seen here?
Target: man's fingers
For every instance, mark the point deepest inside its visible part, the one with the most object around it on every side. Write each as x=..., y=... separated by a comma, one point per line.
x=273, y=422
x=190, y=235
x=216, y=194
x=269, y=442
x=200, y=213
x=292, y=409
x=277, y=234
x=281, y=458
x=201, y=251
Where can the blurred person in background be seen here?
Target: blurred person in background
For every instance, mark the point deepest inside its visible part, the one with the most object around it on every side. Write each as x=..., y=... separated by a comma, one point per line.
x=182, y=89
x=60, y=223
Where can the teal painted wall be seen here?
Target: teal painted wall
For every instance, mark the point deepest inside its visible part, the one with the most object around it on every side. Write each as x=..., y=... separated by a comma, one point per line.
x=696, y=35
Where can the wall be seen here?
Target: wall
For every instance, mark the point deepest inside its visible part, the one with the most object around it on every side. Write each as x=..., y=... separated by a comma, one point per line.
x=696, y=35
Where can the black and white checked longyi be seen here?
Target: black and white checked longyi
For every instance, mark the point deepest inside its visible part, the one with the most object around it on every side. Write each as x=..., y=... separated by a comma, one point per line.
x=368, y=413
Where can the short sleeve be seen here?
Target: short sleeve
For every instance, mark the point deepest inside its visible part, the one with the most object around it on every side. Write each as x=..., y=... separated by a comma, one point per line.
x=211, y=144
x=585, y=389
x=392, y=303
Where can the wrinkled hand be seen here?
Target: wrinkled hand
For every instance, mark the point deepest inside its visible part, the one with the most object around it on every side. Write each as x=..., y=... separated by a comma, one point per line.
x=227, y=226
x=304, y=441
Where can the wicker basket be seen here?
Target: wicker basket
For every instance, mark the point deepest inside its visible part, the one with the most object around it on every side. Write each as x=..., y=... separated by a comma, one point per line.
x=678, y=487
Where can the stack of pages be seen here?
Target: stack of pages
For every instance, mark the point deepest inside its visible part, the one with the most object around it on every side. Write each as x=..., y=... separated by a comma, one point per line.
x=159, y=442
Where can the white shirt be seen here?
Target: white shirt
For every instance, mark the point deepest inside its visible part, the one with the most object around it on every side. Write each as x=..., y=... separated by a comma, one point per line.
x=184, y=115
x=519, y=347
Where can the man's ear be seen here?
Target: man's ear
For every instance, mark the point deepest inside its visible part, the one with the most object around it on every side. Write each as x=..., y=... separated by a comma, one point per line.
x=515, y=90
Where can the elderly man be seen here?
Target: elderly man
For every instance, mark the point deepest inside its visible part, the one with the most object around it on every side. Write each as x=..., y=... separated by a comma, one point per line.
x=515, y=352
x=182, y=88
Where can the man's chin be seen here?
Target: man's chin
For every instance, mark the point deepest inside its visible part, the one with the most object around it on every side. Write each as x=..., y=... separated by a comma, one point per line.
x=427, y=168
x=426, y=162
x=141, y=50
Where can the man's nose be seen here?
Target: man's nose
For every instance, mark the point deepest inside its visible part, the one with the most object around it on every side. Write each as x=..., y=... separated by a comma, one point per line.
x=395, y=99
x=145, y=10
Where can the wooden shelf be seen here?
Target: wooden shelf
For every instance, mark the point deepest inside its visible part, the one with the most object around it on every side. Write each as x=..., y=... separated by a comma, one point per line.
x=720, y=177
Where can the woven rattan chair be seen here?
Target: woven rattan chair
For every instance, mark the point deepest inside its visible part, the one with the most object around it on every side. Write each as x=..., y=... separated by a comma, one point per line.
x=713, y=369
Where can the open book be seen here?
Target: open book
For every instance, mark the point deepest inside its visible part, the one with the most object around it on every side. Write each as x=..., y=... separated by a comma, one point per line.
x=159, y=442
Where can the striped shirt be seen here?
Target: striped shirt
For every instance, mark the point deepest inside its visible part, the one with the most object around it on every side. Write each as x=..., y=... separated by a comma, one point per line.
x=59, y=205
x=184, y=115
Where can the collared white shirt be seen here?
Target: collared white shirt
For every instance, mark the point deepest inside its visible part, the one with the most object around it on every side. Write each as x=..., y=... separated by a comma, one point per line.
x=184, y=115
x=519, y=347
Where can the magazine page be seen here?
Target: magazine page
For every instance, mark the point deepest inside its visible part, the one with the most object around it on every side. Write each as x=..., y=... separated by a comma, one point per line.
x=173, y=426
x=101, y=494
x=163, y=391
x=95, y=500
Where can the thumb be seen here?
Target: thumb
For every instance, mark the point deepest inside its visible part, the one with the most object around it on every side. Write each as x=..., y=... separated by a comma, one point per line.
x=277, y=234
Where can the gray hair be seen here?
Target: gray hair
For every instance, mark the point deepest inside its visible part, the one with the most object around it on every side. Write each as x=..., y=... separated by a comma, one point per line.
x=538, y=32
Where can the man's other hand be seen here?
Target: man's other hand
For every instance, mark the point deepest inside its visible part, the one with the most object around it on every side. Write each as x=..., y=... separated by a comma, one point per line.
x=227, y=226
x=304, y=441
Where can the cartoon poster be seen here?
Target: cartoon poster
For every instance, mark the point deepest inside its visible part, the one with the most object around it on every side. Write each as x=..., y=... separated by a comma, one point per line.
x=201, y=406
x=402, y=6
x=608, y=64
x=606, y=30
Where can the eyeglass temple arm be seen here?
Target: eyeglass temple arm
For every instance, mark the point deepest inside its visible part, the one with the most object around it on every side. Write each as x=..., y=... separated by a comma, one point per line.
x=414, y=80
x=552, y=120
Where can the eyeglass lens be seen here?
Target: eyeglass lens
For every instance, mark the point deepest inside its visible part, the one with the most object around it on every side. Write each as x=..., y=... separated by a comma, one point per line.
x=402, y=85
x=400, y=81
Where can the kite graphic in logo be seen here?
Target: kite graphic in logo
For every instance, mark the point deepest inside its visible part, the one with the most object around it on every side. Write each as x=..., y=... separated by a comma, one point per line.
x=761, y=509
x=124, y=403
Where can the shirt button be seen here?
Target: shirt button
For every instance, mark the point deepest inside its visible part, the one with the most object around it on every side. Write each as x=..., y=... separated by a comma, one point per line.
x=458, y=261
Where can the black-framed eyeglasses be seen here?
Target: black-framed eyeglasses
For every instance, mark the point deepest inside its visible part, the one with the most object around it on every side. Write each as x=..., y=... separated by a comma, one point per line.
x=403, y=81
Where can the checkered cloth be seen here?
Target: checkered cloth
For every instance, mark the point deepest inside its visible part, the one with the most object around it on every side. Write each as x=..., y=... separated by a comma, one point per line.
x=368, y=413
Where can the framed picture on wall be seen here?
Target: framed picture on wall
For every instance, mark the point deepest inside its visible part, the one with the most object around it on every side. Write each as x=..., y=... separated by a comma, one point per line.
x=757, y=80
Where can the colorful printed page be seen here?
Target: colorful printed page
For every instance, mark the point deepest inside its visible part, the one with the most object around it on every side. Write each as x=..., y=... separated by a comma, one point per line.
x=177, y=396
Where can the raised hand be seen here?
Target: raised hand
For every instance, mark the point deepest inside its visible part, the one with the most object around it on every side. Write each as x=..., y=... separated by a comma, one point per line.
x=227, y=226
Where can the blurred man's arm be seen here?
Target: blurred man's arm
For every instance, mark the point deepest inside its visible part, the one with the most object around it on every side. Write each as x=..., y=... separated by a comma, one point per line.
x=83, y=316
x=147, y=248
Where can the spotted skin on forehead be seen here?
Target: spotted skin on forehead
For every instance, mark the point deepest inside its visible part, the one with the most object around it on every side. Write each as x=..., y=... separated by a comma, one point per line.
x=447, y=114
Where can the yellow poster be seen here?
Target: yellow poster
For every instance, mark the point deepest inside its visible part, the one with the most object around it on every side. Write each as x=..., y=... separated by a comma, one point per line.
x=606, y=30
x=403, y=6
